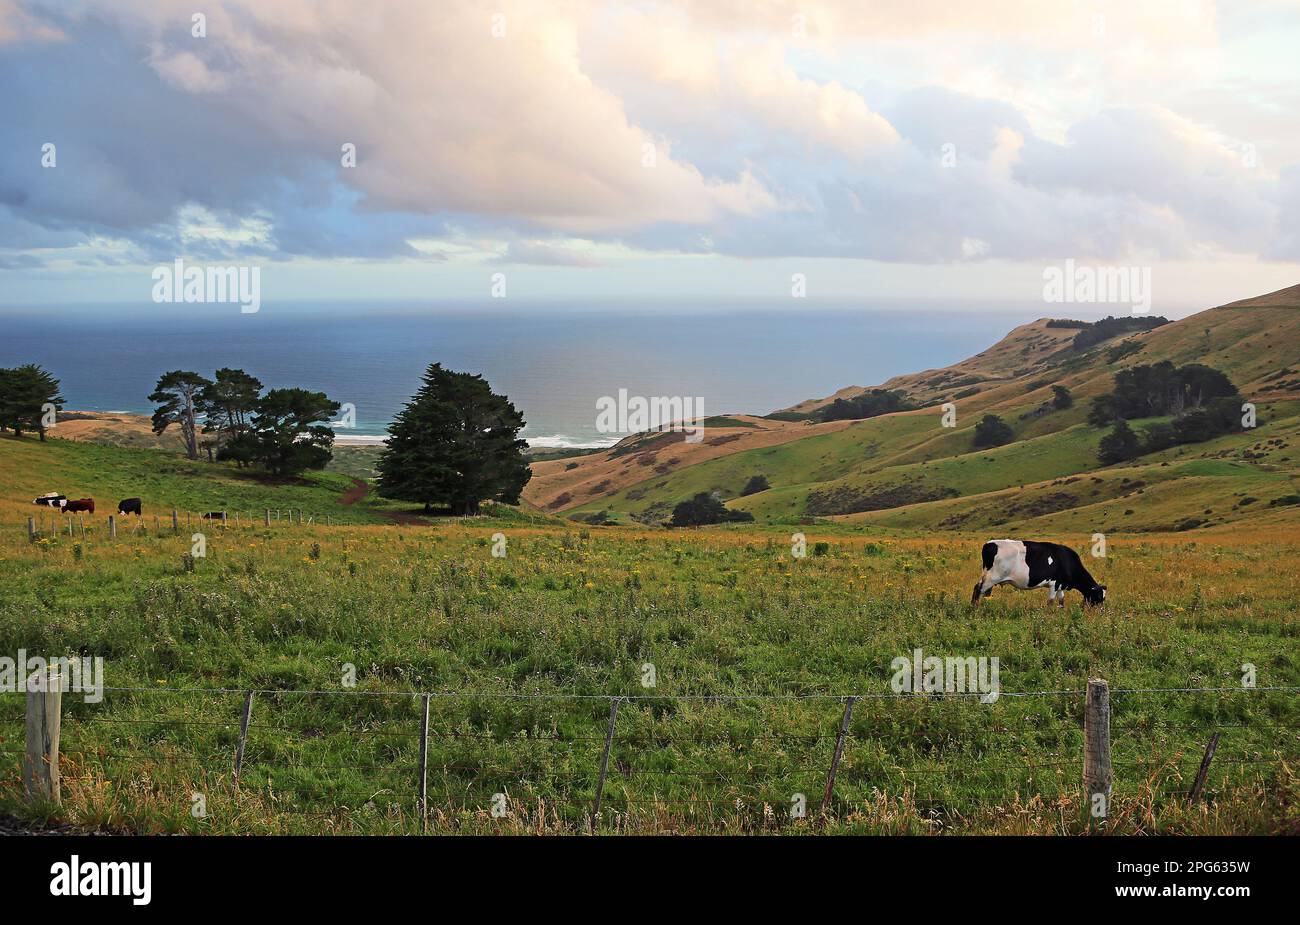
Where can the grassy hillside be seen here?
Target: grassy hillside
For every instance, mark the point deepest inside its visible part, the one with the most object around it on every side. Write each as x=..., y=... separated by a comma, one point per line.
x=908, y=470
x=164, y=481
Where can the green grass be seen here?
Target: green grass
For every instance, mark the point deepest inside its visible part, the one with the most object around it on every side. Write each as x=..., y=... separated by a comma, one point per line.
x=531, y=643
x=165, y=481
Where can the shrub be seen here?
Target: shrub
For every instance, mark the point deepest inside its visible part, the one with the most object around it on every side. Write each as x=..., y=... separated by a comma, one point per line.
x=992, y=431
x=703, y=509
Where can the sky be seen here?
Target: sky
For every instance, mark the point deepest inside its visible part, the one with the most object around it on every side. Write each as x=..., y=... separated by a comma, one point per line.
x=685, y=151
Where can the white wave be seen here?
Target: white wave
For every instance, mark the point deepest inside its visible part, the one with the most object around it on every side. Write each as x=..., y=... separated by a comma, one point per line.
x=563, y=442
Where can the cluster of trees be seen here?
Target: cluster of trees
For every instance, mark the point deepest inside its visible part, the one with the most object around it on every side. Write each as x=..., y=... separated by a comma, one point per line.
x=706, y=508
x=456, y=443
x=283, y=430
x=867, y=405
x=1095, y=332
x=755, y=484
x=27, y=396
x=1160, y=389
x=1203, y=402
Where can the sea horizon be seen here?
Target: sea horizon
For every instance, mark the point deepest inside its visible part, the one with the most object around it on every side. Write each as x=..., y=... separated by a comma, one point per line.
x=554, y=365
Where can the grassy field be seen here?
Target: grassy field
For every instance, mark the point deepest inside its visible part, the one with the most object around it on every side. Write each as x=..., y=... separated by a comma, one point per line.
x=751, y=650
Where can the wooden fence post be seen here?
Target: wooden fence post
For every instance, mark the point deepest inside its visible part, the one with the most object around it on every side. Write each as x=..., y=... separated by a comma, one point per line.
x=1204, y=769
x=243, y=734
x=268, y=517
x=41, y=760
x=839, y=753
x=604, y=762
x=31, y=528
x=1097, y=775
x=176, y=521
x=424, y=766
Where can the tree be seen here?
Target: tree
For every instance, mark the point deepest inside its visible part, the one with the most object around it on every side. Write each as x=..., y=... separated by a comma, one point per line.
x=227, y=405
x=867, y=405
x=1119, y=445
x=1103, y=412
x=992, y=431
x=455, y=443
x=27, y=394
x=706, y=508
x=755, y=485
x=287, y=434
x=1158, y=436
x=1061, y=398
x=177, y=398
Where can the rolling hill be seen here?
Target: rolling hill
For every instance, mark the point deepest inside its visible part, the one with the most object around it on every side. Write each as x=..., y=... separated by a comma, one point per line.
x=907, y=470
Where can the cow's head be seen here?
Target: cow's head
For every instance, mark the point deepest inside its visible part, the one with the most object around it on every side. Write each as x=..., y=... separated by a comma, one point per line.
x=1096, y=595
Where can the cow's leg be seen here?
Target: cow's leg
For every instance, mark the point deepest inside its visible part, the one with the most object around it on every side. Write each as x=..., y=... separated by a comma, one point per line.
x=975, y=596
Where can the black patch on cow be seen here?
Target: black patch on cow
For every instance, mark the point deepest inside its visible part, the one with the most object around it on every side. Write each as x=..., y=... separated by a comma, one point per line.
x=990, y=552
x=128, y=506
x=1065, y=568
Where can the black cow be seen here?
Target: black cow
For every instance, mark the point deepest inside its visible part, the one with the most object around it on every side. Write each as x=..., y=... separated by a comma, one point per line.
x=1027, y=564
x=215, y=515
x=129, y=506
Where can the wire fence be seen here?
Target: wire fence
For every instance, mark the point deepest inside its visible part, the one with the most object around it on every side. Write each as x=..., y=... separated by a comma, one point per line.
x=755, y=760
x=52, y=523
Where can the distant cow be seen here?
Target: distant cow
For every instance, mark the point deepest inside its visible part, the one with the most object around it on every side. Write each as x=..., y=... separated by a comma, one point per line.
x=1027, y=564
x=52, y=499
x=81, y=504
x=128, y=506
x=215, y=515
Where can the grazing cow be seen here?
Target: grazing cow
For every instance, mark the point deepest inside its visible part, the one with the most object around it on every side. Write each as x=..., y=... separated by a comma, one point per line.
x=129, y=506
x=81, y=504
x=52, y=499
x=215, y=515
x=1035, y=565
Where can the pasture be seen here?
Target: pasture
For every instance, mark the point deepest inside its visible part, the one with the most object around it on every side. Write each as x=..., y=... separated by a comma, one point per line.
x=750, y=649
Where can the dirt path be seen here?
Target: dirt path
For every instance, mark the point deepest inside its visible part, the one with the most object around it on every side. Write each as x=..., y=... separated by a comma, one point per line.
x=360, y=488
x=356, y=492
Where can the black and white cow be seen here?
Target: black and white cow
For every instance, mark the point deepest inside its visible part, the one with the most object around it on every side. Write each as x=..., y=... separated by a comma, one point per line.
x=1027, y=564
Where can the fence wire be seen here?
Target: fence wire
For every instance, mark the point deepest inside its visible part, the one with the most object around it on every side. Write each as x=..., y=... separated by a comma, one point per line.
x=765, y=758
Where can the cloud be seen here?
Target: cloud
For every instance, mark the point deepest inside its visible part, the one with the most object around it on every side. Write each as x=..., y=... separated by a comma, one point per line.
x=541, y=254
x=918, y=132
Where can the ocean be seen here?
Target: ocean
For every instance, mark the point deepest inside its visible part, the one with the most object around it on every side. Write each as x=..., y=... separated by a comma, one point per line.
x=553, y=361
